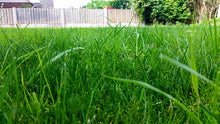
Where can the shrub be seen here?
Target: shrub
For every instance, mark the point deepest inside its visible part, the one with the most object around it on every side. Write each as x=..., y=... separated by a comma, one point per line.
x=163, y=11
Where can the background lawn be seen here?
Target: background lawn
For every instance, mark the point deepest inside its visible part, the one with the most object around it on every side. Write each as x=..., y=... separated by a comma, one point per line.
x=63, y=75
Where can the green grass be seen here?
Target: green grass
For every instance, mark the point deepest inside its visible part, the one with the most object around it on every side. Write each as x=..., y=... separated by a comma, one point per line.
x=155, y=74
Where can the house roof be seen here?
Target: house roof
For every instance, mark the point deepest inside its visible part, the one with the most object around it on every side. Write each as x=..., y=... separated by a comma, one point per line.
x=19, y=1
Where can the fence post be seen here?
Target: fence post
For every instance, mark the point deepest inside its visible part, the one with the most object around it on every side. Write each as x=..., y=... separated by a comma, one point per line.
x=105, y=16
x=218, y=16
x=14, y=13
x=62, y=17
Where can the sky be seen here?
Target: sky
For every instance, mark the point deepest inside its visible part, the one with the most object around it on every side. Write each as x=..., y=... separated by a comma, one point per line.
x=70, y=3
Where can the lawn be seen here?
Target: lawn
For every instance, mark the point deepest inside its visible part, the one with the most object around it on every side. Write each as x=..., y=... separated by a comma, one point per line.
x=154, y=74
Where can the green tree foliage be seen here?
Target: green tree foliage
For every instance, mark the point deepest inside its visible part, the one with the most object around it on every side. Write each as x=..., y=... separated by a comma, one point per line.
x=120, y=4
x=96, y=4
x=163, y=11
x=26, y=6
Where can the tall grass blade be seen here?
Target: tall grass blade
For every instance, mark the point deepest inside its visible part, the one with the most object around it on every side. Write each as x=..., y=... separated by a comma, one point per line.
x=45, y=77
x=193, y=64
x=141, y=14
x=158, y=91
x=109, y=21
x=131, y=21
x=215, y=36
x=210, y=113
x=63, y=53
x=25, y=95
x=1, y=18
x=54, y=59
x=28, y=55
x=6, y=54
x=187, y=68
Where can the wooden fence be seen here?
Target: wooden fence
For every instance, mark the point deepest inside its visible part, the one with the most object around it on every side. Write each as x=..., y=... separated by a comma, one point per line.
x=46, y=17
x=218, y=15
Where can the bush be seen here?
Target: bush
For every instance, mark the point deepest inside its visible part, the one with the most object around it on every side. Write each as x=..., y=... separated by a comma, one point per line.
x=163, y=11
x=25, y=6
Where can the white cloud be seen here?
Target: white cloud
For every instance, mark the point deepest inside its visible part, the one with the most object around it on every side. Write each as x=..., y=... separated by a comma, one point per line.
x=70, y=3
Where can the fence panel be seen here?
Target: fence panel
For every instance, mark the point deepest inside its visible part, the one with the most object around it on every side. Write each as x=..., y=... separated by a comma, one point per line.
x=122, y=15
x=65, y=17
x=84, y=16
x=7, y=17
x=38, y=16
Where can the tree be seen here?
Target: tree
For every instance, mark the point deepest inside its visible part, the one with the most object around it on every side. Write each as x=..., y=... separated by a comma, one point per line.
x=96, y=4
x=120, y=4
x=204, y=9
